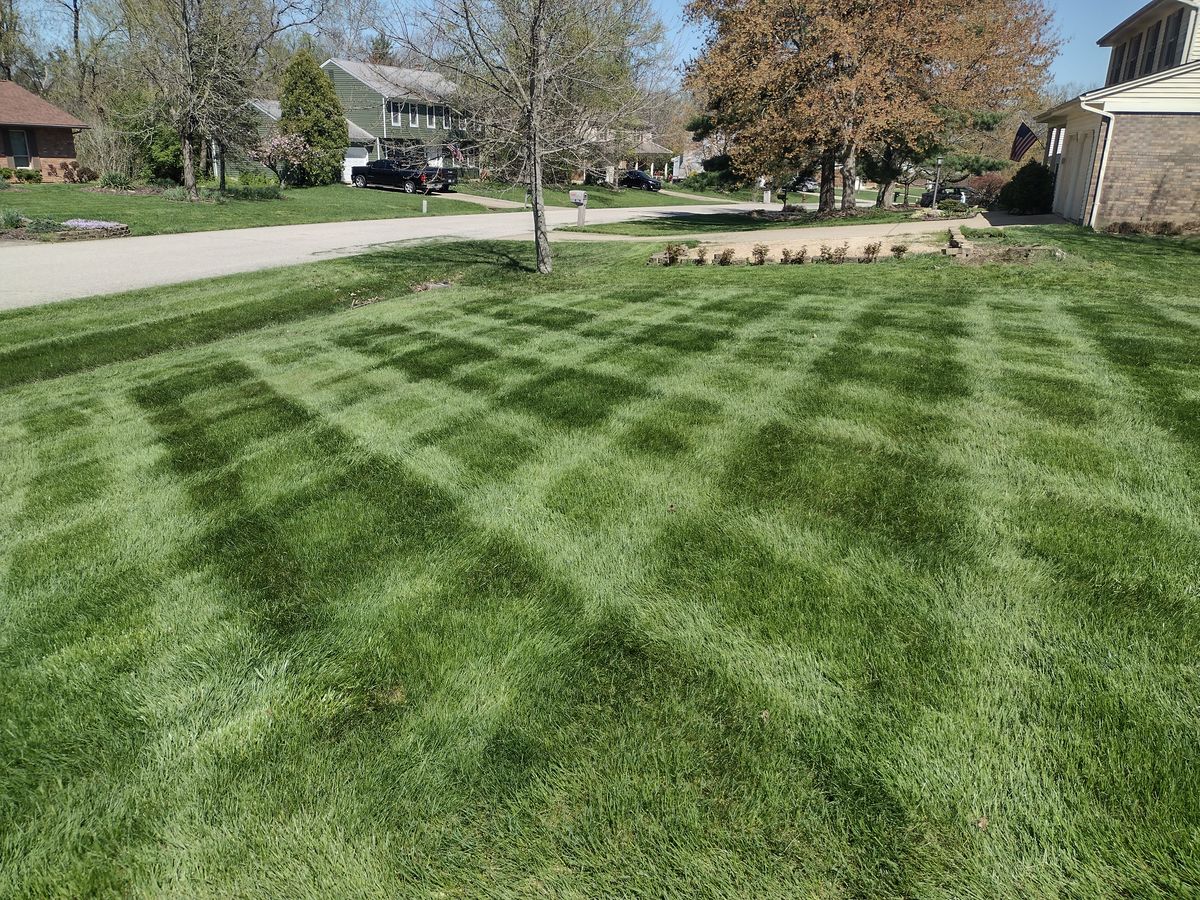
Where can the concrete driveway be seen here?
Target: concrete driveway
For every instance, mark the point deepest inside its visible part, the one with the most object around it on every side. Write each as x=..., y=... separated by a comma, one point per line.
x=34, y=273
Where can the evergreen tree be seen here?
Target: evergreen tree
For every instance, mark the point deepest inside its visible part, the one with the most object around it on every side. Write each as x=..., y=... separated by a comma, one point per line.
x=311, y=109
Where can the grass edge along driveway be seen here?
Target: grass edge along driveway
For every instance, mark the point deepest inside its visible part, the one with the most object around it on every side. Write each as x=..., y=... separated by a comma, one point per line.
x=865, y=580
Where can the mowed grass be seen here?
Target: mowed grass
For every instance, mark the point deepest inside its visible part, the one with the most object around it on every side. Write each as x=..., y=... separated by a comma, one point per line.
x=152, y=214
x=708, y=223
x=560, y=195
x=857, y=581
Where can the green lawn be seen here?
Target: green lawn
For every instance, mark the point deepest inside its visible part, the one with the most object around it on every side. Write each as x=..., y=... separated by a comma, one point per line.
x=598, y=197
x=705, y=223
x=833, y=581
x=151, y=214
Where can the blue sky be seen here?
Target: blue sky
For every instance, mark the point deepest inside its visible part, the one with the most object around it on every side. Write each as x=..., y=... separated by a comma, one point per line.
x=1081, y=23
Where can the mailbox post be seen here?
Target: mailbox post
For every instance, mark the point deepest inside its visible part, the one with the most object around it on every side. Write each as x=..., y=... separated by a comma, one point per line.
x=580, y=198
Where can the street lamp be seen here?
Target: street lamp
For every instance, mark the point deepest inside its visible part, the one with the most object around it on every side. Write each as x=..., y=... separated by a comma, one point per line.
x=937, y=182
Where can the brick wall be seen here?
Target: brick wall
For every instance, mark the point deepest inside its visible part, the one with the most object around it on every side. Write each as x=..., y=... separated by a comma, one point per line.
x=55, y=146
x=1153, y=170
x=47, y=146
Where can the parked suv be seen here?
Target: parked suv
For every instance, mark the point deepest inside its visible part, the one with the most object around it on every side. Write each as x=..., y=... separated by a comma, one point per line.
x=638, y=179
x=412, y=179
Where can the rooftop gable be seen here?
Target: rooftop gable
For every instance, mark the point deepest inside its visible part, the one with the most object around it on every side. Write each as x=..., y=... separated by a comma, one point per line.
x=394, y=82
x=1150, y=10
x=21, y=107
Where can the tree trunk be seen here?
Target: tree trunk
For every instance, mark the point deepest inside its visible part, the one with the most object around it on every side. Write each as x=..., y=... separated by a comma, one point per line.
x=541, y=235
x=826, y=203
x=221, y=159
x=204, y=158
x=189, y=165
x=884, y=200
x=849, y=178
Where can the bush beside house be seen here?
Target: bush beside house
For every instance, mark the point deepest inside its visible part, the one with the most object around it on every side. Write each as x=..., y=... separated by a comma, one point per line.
x=310, y=109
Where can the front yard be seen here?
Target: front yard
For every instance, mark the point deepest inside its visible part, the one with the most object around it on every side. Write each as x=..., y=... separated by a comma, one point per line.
x=675, y=224
x=847, y=581
x=152, y=214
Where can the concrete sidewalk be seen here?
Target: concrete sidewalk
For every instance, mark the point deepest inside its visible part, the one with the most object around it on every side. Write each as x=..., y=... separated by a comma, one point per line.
x=34, y=273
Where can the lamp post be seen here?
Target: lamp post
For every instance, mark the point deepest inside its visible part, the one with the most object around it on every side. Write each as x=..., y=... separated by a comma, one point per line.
x=937, y=182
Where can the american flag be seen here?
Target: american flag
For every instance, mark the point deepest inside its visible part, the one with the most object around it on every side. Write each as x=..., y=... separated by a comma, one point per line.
x=1023, y=142
x=456, y=153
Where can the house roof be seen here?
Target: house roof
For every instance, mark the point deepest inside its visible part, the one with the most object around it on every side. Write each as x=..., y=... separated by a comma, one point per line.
x=648, y=147
x=1106, y=93
x=20, y=107
x=1131, y=20
x=271, y=109
x=393, y=81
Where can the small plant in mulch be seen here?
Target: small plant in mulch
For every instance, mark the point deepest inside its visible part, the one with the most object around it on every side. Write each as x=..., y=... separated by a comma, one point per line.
x=701, y=256
x=674, y=254
x=834, y=256
x=871, y=252
x=724, y=257
x=794, y=257
x=758, y=254
x=899, y=250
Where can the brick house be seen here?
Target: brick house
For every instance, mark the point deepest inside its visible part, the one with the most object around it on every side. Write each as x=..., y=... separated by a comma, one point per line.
x=1129, y=151
x=35, y=134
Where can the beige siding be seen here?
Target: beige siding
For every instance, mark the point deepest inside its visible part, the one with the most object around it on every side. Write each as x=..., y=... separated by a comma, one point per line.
x=1180, y=89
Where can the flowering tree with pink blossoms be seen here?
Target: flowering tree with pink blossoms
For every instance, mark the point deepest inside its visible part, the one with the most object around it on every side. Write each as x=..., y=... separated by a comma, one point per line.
x=281, y=153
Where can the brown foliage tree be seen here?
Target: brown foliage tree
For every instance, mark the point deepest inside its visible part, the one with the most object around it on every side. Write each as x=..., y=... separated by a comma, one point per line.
x=832, y=77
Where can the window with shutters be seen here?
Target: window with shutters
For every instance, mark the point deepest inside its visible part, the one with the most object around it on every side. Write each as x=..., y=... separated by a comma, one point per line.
x=1150, y=57
x=1135, y=54
x=1172, y=49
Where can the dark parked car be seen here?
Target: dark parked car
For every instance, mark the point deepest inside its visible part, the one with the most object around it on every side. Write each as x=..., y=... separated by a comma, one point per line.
x=412, y=179
x=635, y=178
x=952, y=192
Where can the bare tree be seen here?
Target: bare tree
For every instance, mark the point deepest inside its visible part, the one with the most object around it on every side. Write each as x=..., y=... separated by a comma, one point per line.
x=200, y=56
x=540, y=83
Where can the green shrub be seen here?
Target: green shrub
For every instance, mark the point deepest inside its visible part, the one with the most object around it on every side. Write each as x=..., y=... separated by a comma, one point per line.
x=309, y=107
x=899, y=250
x=115, y=180
x=175, y=193
x=4, y=185
x=1031, y=191
x=42, y=225
x=6, y=173
x=212, y=195
x=29, y=175
x=10, y=218
x=954, y=207
x=257, y=179
x=254, y=192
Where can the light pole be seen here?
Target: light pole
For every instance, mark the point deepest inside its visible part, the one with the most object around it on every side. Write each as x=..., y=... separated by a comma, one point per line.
x=937, y=182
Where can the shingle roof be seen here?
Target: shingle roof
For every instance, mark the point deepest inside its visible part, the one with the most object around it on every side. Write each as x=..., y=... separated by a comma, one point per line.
x=271, y=109
x=19, y=107
x=648, y=147
x=394, y=82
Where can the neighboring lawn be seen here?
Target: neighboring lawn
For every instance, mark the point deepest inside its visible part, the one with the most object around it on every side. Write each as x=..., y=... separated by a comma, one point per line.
x=598, y=197
x=857, y=581
x=710, y=223
x=150, y=214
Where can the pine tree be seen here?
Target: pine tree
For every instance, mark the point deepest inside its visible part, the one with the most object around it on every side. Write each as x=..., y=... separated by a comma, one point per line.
x=310, y=108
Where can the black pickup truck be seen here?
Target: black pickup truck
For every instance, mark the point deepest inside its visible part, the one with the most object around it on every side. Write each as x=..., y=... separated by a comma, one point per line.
x=412, y=179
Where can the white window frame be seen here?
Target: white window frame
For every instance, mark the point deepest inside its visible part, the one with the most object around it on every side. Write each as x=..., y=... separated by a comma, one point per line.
x=28, y=153
x=414, y=115
x=431, y=116
x=395, y=113
x=447, y=119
